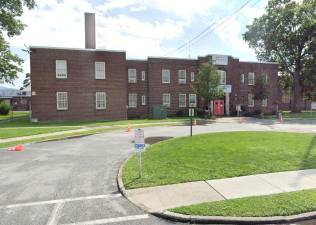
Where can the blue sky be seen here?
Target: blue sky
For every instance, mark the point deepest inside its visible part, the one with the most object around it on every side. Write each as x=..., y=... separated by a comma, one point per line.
x=141, y=27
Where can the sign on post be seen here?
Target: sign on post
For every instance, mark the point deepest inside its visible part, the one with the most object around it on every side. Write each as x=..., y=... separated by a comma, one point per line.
x=139, y=145
x=313, y=105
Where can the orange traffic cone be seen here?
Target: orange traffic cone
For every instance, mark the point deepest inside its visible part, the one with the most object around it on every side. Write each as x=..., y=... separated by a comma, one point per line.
x=129, y=128
x=16, y=148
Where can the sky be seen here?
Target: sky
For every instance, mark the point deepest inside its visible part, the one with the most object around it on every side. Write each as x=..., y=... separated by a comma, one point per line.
x=142, y=28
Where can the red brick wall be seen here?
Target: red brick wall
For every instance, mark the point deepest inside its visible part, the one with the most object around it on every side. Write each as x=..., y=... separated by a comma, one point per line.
x=80, y=84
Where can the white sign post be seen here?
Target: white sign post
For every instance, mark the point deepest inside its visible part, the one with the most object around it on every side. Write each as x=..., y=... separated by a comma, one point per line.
x=191, y=114
x=139, y=140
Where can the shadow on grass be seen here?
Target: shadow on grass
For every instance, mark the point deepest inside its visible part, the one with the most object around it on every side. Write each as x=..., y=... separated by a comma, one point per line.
x=307, y=161
x=153, y=140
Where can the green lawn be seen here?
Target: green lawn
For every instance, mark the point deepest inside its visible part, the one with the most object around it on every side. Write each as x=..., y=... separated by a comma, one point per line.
x=14, y=115
x=221, y=155
x=301, y=115
x=284, y=204
x=24, y=131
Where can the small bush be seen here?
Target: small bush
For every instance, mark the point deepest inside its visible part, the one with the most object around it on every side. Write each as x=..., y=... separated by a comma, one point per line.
x=4, y=108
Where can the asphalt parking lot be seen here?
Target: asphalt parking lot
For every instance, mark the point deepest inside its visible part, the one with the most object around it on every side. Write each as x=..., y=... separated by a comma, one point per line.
x=74, y=181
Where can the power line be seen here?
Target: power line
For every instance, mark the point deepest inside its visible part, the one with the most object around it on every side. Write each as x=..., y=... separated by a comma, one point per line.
x=209, y=29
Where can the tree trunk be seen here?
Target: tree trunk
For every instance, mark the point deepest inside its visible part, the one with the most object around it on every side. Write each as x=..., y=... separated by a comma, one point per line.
x=296, y=104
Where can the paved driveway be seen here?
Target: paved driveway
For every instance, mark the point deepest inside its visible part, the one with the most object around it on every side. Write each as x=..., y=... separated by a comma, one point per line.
x=74, y=181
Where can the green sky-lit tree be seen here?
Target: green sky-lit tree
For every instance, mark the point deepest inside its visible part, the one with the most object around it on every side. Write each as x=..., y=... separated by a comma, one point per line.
x=11, y=25
x=286, y=33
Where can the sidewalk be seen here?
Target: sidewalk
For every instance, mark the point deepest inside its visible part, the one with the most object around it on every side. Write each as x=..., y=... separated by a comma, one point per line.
x=156, y=199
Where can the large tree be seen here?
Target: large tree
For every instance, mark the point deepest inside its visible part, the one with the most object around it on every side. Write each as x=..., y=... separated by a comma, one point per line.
x=207, y=83
x=286, y=33
x=11, y=25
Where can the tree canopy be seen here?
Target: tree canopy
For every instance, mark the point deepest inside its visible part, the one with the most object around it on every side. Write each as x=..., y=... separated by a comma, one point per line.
x=286, y=33
x=11, y=25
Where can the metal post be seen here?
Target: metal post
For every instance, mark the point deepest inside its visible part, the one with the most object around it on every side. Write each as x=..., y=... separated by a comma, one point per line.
x=140, y=165
x=191, y=127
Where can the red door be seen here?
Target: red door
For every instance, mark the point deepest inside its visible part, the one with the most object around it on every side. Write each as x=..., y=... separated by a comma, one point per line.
x=219, y=107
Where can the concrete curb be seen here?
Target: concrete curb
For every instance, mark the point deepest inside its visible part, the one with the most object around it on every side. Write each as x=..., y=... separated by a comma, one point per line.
x=213, y=219
x=234, y=220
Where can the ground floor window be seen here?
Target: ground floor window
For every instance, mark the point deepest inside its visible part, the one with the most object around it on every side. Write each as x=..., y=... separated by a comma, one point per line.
x=264, y=102
x=143, y=100
x=251, y=101
x=182, y=100
x=62, y=100
x=100, y=100
x=166, y=99
x=132, y=100
x=192, y=100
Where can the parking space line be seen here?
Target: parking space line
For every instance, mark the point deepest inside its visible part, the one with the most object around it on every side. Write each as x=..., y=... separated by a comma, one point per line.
x=59, y=201
x=111, y=220
x=54, y=217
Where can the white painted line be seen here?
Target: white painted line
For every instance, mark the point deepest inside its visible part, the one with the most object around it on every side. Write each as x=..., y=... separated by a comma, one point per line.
x=54, y=217
x=111, y=220
x=59, y=201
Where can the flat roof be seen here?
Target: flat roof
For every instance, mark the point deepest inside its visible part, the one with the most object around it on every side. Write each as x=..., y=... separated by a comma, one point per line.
x=77, y=49
x=258, y=62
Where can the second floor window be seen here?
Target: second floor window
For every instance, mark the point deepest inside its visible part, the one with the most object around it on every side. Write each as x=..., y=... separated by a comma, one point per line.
x=99, y=70
x=251, y=78
x=132, y=100
x=192, y=76
x=242, y=78
x=165, y=76
x=132, y=76
x=100, y=100
x=222, y=74
x=61, y=69
x=143, y=75
x=182, y=76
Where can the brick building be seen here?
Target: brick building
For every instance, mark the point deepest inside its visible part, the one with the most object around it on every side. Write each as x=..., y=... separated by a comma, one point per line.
x=95, y=84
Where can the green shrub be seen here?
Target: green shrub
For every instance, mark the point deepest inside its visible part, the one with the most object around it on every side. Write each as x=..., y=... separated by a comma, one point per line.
x=4, y=108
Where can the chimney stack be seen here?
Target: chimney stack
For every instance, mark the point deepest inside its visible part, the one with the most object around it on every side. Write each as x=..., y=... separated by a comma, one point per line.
x=89, y=22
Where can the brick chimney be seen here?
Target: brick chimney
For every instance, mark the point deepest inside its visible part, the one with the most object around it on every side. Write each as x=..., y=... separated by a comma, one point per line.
x=89, y=22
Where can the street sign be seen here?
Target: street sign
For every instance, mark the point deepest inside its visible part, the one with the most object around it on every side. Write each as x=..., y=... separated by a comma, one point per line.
x=191, y=112
x=139, y=140
x=227, y=88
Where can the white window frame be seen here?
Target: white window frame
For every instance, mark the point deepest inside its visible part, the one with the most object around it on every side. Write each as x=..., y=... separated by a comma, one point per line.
x=61, y=69
x=242, y=78
x=143, y=99
x=166, y=96
x=192, y=76
x=251, y=78
x=62, y=100
x=190, y=103
x=165, y=73
x=222, y=74
x=182, y=79
x=143, y=75
x=99, y=70
x=251, y=101
x=264, y=102
x=100, y=100
x=132, y=100
x=185, y=101
x=132, y=76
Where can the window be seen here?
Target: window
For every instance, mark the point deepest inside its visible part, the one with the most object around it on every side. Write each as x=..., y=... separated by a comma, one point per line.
x=132, y=77
x=62, y=100
x=265, y=78
x=242, y=78
x=182, y=100
x=143, y=75
x=222, y=74
x=100, y=100
x=286, y=96
x=132, y=100
x=192, y=100
x=192, y=76
x=264, y=102
x=251, y=102
x=166, y=100
x=251, y=78
x=61, y=69
x=143, y=100
x=99, y=68
x=166, y=76
x=182, y=76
